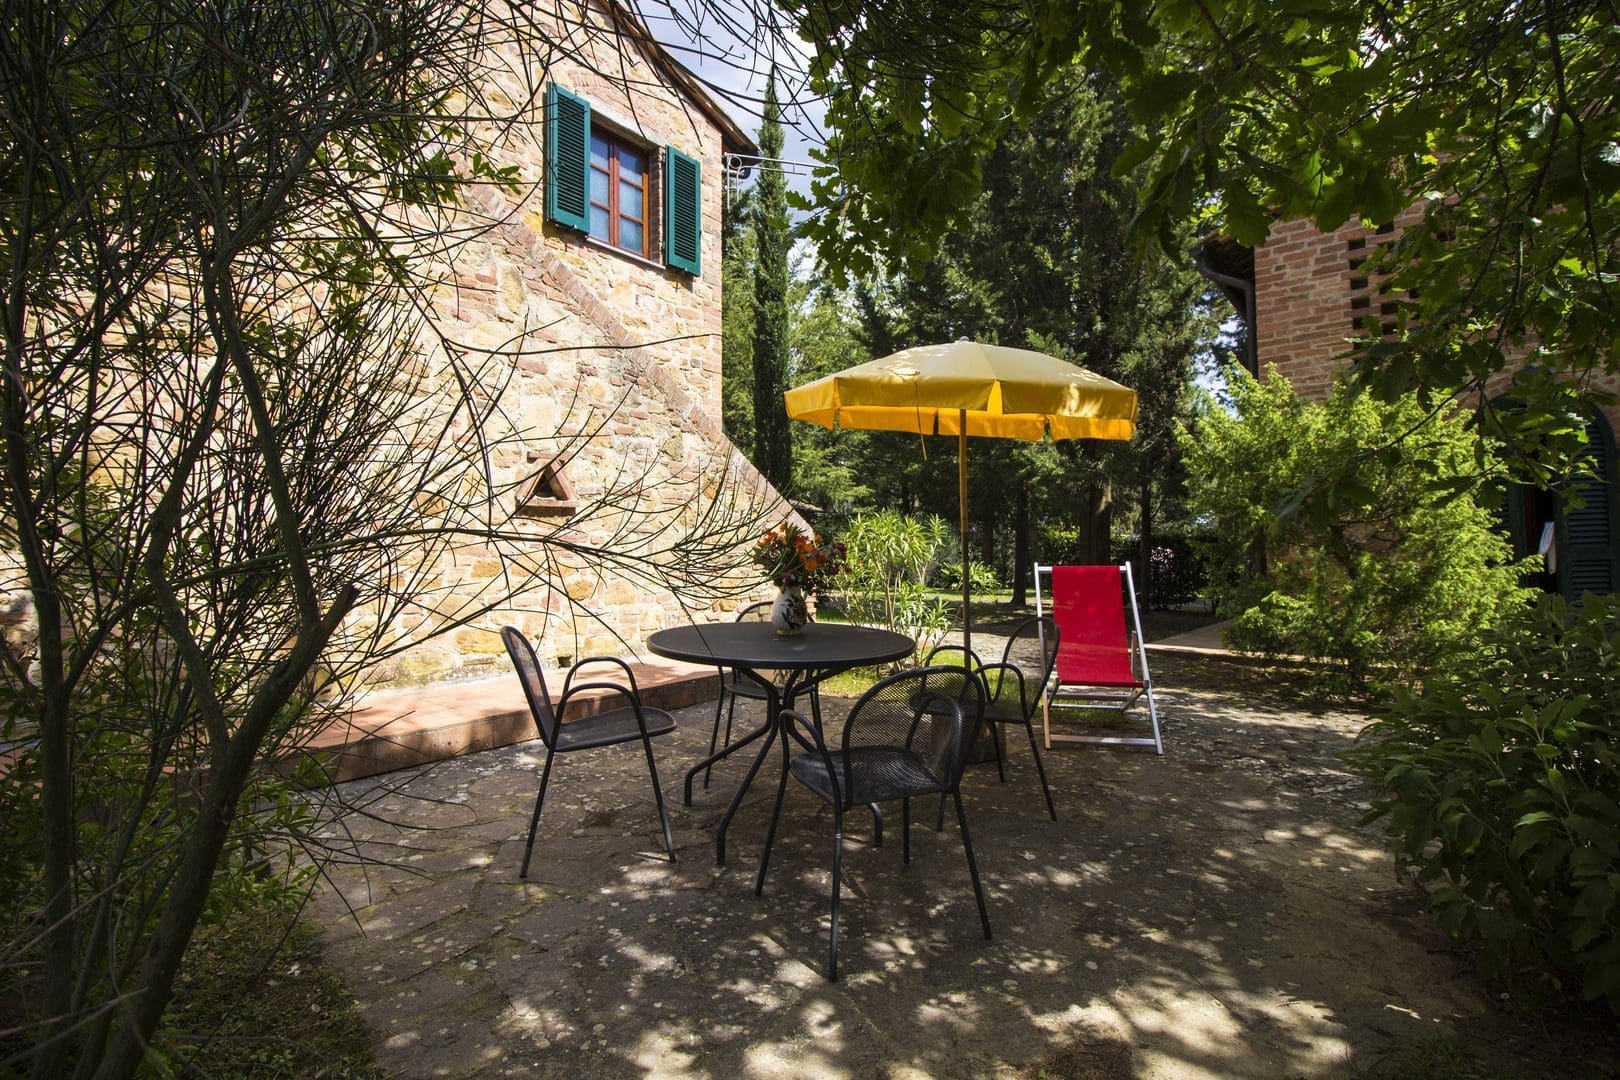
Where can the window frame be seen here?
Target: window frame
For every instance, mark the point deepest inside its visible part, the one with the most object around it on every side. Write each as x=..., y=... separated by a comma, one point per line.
x=671, y=186
x=615, y=141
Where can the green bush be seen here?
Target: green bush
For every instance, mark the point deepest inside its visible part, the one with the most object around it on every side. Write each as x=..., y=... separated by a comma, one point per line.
x=1060, y=546
x=1176, y=573
x=1500, y=785
x=890, y=557
x=981, y=577
x=1345, y=531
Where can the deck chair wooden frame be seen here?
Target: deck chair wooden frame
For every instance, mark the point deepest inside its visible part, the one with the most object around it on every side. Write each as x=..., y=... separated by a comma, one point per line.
x=1100, y=665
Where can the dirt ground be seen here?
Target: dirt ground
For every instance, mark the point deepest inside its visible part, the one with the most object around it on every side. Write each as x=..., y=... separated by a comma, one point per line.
x=1215, y=912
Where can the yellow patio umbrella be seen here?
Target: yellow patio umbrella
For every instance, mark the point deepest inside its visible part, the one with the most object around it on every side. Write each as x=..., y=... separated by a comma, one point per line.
x=965, y=388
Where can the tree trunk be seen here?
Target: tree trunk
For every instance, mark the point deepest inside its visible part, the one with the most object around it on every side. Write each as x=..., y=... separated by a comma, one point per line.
x=1096, y=525
x=1023, y=562
x=1144, y=550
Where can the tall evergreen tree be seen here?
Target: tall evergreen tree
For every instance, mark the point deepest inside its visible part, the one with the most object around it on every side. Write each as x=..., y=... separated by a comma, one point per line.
x=773, y=438
x=737, y=320
x=1046, y=262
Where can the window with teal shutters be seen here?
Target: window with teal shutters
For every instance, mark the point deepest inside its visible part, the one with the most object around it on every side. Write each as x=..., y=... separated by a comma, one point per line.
x=568, y=158
x=1590, y=561
x=683, y=212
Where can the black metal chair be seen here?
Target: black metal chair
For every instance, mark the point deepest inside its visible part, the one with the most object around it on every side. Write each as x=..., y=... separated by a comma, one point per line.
x=627, y=723
x=734, y=684
x=1010, y=697
x=908, y=736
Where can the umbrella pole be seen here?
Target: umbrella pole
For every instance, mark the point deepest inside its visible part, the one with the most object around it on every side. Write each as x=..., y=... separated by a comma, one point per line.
x=961, y=502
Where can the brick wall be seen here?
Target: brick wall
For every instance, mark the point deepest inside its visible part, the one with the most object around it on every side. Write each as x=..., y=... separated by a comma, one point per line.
x=1311, y=294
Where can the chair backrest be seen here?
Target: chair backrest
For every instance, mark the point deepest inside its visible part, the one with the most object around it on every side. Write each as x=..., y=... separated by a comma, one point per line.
x=933, y=712
x=1033, y=649
x=1088, y=603
x=534, y=683
x=758, y=611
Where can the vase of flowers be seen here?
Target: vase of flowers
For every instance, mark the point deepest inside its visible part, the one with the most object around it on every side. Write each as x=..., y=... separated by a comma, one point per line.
x=797, y=563
x=789, y=612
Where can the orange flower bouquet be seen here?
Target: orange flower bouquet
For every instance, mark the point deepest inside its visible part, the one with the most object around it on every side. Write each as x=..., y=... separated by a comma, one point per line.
x=791, y=557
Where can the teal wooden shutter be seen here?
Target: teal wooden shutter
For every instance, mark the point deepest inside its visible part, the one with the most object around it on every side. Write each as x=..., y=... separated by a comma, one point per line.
x=1590, y=561
x=568, y=159
x=683, y=212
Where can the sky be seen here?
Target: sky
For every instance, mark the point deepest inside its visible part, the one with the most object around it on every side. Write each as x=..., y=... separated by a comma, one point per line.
x=720, y=42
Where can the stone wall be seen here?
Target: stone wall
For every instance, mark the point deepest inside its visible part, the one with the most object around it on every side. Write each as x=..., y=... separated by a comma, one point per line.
x=607, y=359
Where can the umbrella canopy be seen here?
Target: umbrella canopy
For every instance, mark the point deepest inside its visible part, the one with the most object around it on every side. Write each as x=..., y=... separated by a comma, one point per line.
x=966, y=388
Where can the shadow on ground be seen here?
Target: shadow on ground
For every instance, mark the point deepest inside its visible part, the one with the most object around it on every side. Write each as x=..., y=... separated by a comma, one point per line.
x=1213, y=912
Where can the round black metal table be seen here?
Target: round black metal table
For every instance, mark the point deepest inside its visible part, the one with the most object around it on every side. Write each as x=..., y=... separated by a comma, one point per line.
x=805, y=659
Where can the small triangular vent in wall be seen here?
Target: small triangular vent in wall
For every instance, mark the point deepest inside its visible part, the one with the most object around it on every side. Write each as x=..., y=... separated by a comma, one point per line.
x=547, y=493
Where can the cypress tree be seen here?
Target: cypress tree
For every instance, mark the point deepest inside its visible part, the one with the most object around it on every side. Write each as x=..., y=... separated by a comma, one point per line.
x=773, y=438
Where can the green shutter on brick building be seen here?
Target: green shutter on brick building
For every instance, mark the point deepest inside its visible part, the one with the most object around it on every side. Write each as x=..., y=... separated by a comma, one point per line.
x=683, y=212
x=1591, y=557
x=568, y=158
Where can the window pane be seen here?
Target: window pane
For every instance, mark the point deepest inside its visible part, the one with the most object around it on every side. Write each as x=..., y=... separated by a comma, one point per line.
x=599, y=222
x=599, y=187
x=630, y=235
x=601, y=150
x=631, y=162
x=630, y=200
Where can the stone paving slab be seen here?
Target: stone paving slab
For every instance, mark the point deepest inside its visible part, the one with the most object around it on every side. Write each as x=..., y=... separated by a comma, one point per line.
x=1214, y=912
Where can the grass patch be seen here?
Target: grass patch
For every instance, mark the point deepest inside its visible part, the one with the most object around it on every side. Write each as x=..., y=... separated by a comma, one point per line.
x=255, y=999
x=1432, y=1057
x=850, y=684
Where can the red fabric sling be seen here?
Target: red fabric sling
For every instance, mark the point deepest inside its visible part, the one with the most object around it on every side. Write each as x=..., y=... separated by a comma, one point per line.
x=1088, y=603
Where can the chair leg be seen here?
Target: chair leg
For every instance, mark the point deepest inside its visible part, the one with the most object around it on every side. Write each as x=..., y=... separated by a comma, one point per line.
x=877, y=824
x=534, y=819
x=837, y=882
x=995, y=741
x=770, y=835
x=939, y=818
x=1029, y=729
x=973, y=867
x=905, y=831
x=658, y=796
x=720, y=703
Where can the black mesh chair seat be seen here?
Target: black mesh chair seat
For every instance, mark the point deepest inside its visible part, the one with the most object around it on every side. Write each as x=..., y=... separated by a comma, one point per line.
x=906, y=737
x=1013, y=688
x=1007, y=710
x=630, y=722
x=883, y=774
x=611, y=727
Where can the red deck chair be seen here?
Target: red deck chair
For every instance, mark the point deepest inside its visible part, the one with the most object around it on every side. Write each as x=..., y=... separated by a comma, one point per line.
x=1099, y=664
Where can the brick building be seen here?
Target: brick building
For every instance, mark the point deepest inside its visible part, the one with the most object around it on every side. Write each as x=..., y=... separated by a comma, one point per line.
x=1304, y=295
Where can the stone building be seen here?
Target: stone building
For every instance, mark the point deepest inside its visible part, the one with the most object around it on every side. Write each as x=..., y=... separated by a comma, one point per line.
x=593, y=295
x=1304, y=295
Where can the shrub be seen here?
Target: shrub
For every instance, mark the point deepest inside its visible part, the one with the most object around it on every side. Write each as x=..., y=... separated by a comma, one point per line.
x=1500, y=783
x=890, y=557
x=1060, y=546
x=1375, y=554
x=1176, y=573
x=981, y=577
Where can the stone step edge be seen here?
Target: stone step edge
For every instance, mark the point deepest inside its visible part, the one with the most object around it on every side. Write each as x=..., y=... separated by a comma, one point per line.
x=403, y=729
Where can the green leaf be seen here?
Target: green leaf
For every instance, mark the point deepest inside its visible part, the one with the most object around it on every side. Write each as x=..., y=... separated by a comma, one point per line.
x=1246, y=219
x=1156, y=94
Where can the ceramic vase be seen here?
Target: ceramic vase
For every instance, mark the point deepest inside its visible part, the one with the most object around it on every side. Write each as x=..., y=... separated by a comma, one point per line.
x=788, y=613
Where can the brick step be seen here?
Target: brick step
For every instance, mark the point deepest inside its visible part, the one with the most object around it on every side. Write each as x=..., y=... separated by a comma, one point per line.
x=404, y=728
